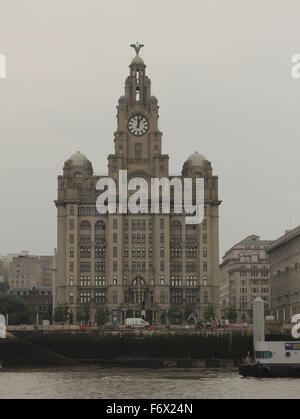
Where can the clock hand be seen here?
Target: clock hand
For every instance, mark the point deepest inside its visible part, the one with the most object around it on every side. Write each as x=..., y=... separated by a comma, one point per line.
x=139, y=121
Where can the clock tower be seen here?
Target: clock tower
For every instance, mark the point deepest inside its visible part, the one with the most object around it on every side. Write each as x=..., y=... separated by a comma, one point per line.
x=136, y=265
x=138, y=141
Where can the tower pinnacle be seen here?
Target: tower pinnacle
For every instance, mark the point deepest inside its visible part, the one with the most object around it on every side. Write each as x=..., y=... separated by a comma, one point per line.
x=137, y=47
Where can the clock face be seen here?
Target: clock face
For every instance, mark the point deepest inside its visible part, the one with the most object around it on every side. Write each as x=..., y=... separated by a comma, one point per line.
x=138, y=125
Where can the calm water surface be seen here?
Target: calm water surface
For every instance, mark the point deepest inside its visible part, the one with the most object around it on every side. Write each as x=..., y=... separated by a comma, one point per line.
x=114, y=383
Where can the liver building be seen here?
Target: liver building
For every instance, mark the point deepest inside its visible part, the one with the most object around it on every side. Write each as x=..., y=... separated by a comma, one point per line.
x=142, y=265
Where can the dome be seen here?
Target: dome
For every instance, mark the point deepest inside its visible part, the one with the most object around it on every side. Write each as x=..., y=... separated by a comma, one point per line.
x=123, y=99
x=153, y=99
x=137, y=60
x=78, y=159
x=196, y=159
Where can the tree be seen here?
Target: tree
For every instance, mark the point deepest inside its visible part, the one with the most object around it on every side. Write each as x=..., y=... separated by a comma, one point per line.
x=102, y=316
x=188, y=310
x=83, y=314
x=171, y=315
x=209, y=313
x=15, y=307
x=61, y=313
x=231, y=314
x=129, y=314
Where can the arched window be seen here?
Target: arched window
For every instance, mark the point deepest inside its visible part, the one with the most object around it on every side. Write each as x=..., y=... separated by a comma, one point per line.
x=100, y=225
x=85, y=225
x=138, y=281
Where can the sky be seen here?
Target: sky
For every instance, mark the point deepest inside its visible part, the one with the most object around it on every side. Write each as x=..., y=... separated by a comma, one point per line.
x=221, y=71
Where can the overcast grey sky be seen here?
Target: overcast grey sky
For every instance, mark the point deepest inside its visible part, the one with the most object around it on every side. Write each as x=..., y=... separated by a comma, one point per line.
x=221, y=71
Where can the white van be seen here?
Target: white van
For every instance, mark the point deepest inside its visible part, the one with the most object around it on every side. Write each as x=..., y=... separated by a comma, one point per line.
x=136, y=323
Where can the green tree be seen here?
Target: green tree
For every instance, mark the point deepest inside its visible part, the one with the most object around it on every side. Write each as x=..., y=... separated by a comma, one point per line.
x=129, y=314
x=15, y=307
x=102, y=316
x=231, y=314
x=209, y=313
x=83, y=314
x=61, y=313
x=171, y=315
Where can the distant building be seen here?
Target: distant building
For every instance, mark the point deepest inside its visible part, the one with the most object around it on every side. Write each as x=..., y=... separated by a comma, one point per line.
x=284, y=255
x=245, y=275
x=2, y=272
x=29, y=272
x=39, y=303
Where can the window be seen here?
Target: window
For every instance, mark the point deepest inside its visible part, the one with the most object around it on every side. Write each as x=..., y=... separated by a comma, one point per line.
x=71, y=252
x=176, y=297
x=115, y=252
x=100, y=252
x=85, y=225
x=137, y=94
x=138, y=151
x=100, y=225
x=176, y=231
x=265, y=354
x=162, y=223
x=100, y=281
x=115, y=281
x=85, y=297
x=115, y=238
x=100, y=267
x=162, y=252
x=162, y=280
x=191, y=297
x=115, y=224
x=100, y=297
x=85, y=252
x=85, y=267
x=191, y=267
x=85, y=281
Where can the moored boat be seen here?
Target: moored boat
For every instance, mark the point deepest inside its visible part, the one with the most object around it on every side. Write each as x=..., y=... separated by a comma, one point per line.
x=271, y=359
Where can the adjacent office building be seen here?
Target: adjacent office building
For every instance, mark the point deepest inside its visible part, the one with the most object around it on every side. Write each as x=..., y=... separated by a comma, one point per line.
x=244, y=276
x=284, y=255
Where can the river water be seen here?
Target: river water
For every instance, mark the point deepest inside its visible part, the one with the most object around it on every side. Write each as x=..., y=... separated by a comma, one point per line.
x=117, y=383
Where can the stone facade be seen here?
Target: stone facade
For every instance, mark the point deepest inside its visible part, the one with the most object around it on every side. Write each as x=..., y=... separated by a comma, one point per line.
x=284, y=257
x=139, y=264
x=244, y=276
